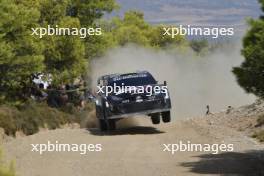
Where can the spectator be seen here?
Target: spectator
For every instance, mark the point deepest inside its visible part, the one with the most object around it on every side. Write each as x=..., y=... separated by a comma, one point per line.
x=208, y=110
x=41, y=94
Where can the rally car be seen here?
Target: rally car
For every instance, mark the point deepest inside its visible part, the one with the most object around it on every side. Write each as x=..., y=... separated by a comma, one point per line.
x=126, y=95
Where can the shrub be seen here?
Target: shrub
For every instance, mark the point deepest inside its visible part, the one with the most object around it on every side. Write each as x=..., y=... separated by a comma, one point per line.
x=259, y=136
x=260, y=120
x=29, y=117
x=79, y=115
x=7, y=120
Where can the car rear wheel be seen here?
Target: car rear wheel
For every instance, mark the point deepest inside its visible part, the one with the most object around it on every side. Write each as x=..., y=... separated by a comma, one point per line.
x=166, y=116
x=155, y=118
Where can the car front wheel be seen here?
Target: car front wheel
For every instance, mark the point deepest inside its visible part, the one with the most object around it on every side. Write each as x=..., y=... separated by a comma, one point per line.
x=155, y=118
x=166, y=116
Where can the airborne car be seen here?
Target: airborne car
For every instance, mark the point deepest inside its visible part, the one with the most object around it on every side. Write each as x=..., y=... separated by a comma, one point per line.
x=124, y=95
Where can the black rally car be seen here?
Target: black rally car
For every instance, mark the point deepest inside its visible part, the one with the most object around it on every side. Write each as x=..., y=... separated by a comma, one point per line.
x=125, y=95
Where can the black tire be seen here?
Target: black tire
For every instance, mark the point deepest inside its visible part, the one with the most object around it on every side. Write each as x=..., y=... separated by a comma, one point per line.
x=111, y=124
x=101, y=115
x=166, y=116
x=97, y=112
x=102, y=125
x=155, y=118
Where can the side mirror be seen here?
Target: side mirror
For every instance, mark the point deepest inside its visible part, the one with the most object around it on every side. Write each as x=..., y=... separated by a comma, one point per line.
x=165, y=83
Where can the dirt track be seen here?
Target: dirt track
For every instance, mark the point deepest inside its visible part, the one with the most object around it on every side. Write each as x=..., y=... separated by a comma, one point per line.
x=138, y=151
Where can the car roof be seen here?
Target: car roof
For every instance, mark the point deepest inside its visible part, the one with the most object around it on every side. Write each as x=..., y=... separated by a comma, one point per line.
x=115, y=76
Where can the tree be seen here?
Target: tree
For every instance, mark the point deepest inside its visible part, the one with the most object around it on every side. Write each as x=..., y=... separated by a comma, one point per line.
x=52, y=11
x=250, y=75
x=199, y=46
x=90, y=10
x=158, y=40
x=134, y=29
x=20, y=53
x=65, y=58
x=64, y=55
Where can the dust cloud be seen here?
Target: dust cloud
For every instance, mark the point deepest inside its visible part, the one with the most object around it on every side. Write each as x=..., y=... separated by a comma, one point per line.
x=193, y=81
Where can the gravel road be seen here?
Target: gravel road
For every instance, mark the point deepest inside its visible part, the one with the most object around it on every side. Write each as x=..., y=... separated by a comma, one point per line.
x=138, y=151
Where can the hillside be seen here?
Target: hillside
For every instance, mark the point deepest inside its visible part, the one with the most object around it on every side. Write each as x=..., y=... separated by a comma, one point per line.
x=201, y=12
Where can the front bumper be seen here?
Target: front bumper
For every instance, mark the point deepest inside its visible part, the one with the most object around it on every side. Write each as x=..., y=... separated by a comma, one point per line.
x=138, y=108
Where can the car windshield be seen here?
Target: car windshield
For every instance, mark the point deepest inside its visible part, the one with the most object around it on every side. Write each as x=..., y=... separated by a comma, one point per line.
x=133, y=80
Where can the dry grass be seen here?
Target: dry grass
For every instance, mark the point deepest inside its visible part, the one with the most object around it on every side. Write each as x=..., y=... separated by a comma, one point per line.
x=259, y=135
x=260, y=120
x=30, y=117
x=6, y=170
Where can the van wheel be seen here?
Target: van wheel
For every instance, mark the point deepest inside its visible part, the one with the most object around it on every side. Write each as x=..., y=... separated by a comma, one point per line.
x=166, y=116
x=155, y=118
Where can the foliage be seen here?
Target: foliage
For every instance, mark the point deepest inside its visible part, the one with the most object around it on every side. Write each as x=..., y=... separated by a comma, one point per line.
x=260, y=120
x=23, y=55
x=259, y=135
x=96, y=46
x=250, y=75
x=20, y=53
x=262, y=4
x=6, y=170
x=131, y=29
x=52, y=11
x=89, y=11
x=64, y=55
x=30, y=117
x=199, y=46
x=65, y=58
x=134, y=29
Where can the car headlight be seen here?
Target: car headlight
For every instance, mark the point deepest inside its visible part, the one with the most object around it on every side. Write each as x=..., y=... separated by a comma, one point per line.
x=167, y=96
x=107, y=104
